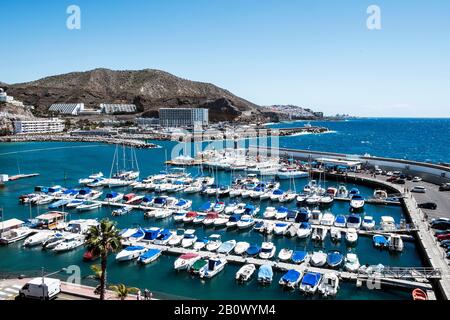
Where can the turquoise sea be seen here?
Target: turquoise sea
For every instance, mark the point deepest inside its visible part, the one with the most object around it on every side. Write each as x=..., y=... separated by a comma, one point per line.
x=65, y=163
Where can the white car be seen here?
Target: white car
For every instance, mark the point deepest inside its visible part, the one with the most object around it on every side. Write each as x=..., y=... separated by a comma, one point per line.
x=419, y=189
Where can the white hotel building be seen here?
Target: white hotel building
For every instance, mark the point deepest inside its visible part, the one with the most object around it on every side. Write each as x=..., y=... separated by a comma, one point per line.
x=38, y=126
x=183, y=117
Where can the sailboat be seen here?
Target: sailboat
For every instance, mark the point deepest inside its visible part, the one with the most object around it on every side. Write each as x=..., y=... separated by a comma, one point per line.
x=122, y=177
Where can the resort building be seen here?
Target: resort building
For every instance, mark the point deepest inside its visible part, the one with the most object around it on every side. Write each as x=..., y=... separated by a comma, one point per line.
x=147, y=122
x=67, y=108
x=117, y=108
x=38, y=126
x=183, y=117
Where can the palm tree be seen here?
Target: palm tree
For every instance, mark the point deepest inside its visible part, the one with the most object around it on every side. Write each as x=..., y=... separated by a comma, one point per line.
x=101, y=240
x=123, y=291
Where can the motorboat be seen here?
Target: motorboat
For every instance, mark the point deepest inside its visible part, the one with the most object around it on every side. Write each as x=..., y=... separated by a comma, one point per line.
x=250, y=210
x=290, y=279
x=70, y=242
x=162, y=213
x=179, y=216
x=354, y=221
x=267, y=250
x=213, y=267
x=285, y=254
x=259, y=226
x=58, y=204
x=318, y=259
x=96, y=175
x=190, y=216
x=270, y=213
x=149, y=256
x=301, y=198
x=368, y=223
x=353, y=192
x=299, y=257
x=265, y=274
x=281, y=213
x=303, y=215
x=280, y=228
x=113, y=196
x=316, y=217
x=388, y=223
x=287, y=197
x=313, y=199
x=310, y=282
x=230, y=208
x=240, y=208
x=182, y=204
x=233, y=220
x=395, y=243
x=253, y=250
x=245, y=222
x=53, y=241
x=335, y=259
x=200, y=218
x=329, y=285
x=379, y=241
x=214, y=242
x=291, y=231
x=304, y=230
x=176, y=238
x=150, y=234
x=185, y=261
x=235, y=192
x=44, y=199
x=38, y=238
x=342, y=192
x=200, y=244
x=241, y=247
x=210, y=218
x=351, y=262
x=158, y=202
x=340, y=221
x=89, y=206
x=121, y=211
x=245, y=272
x=380, y=194
x=351, y=236
x=327, y=219
x=218, y=207
x=319, y=233
x=74, y=203
x=226, y=247
x=163, y=237
x=276, y=194
x=357, y=202
x=326, y=201
x=193, y=188
x=189, y=238
x=257, y=192
x=15, y=235
x=219, y=222
x=335, y=234
x=268, y=228
x=288, y=173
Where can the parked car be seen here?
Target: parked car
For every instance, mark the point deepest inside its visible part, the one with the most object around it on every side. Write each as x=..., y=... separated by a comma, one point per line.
x=399, y=181
x=409, y=177
x=428, y=205
x=441, y=232
x=440, y=225
x=444, y=187
x=445, y=236
x=378, y=171
x=419, y=189
x=445, y=243
x=391, y=179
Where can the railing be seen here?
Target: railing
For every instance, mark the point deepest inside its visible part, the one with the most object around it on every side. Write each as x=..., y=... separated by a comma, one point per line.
x=403, y=273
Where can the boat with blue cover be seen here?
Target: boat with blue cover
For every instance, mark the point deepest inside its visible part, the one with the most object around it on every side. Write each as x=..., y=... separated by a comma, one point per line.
x=226, y=246
x=352, y=192
x=290, y=279
x=113, y=196
x=183, y=204
x=303, y=215
x=354, y=221
x=151, y=234
x=310, y=282
x=58, y=204
x=233, y=221
x=122, y=211
x=138, y=235
x=304, y=230
x=340, y=221
x=357, y=202
x=299, y=256
x=259, y=226
x=130, y=253
x=163, y=237
x=149, y=256
x=380, y=241
x=253, y=250
x=265, y=274
x=250, y=210
x=281, y=213
x=335, y=259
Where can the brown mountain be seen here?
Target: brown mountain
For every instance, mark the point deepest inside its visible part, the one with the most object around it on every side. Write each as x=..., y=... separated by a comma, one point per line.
x=148, y=89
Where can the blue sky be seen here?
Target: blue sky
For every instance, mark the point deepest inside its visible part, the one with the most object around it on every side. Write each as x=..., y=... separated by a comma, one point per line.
x=313, y=53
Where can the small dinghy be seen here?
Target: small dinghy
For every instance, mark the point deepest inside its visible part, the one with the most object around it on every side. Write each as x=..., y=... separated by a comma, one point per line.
x=149, y=256
x=335, y=259
x=241, y=247
x=226, y=247
x=285, y=254
x=265, y=274
x=290, y=279
x=299, y=256
x=245, y=272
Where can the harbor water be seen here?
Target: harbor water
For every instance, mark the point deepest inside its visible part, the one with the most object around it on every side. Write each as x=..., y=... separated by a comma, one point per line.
x=64, y=163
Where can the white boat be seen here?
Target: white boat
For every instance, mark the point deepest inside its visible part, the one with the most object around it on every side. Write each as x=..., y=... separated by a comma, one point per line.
x=351, y=262
x=316, y=217
x=310, y=282
x=318, y=259
x=194, y=188
x=45, y=199
x=162, y=213
x=53, y=241
x=185, y=261
x=368, y=223
x=327, y=219
x=15, y=235
x=88, y=206
x=235, y=192
x=388, y=223
x=149, y=256
x=189, y=238
x=121, y=211
x=230, y=208
x=74, y=203
x=287, y=197
x=285, y=254
x=164, y=237
x=351, y=236
x=280, y=228
x=179, y=216
x=38, y=238
x=182, y=204
x=245, y=222
x=342, y=192
x=270, y=213
x=240, y=208
x=326, y=200
x=267, y=250
x=114, y=197
x=285, y=174
x=221, y=222
x=241, y=247
x=301, y=198
x=245, y=272
x=335, y=234
x=276, y=194
x=304, y=230
x=226, y=247
x=200, y=244
x=70, y=242
x=329, y=285
x=319, y=233
x=291, y=279
x=380, y=194
x=97, y=175
x=313, y=199
x=130, y=253
x=213, y=267
x=357, y=202
x=281, y=213
x=395, y=243
x=214, y=242
x=177, y=238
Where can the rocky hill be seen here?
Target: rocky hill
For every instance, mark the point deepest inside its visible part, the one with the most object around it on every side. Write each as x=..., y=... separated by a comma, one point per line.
x=148, y=89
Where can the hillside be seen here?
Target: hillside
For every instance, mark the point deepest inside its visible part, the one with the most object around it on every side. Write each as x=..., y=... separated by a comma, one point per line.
x=148, y=89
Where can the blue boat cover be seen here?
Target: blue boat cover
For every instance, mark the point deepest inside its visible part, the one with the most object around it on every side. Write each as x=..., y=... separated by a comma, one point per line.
x=85, y=191
x=354, y=191
x=182, y=202
x=265, y=271
x=205, y=206
x=150, y=253
x=253, y=249
x=354, y=219
x=379, y=239
x=341, y=219
x=147, y=199
x=334, y=258
x=282, y=209
x=235, y=217
x=291, y=276
x=311, y=278
x=151, y=234
x=138, y=234
x=278, y=192
x=357, y=197
x=134, y=248
x=292, y=214
x=111, y=195
x=281, y=224
x=160, y=200
x=299, y=256
x=305, y=225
